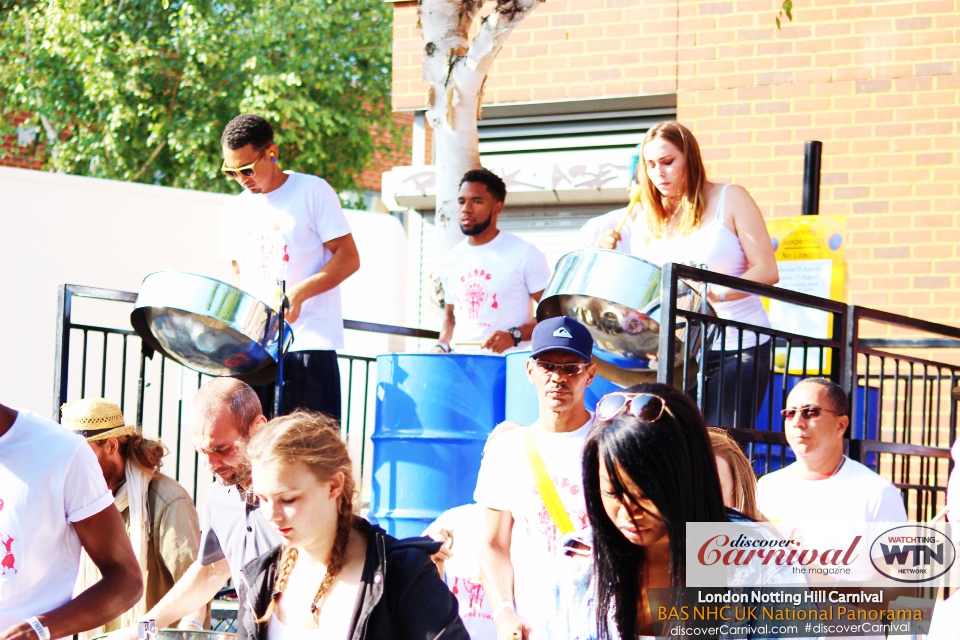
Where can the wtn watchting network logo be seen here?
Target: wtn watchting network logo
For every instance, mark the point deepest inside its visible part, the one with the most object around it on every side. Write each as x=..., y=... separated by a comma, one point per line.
x=913, y=553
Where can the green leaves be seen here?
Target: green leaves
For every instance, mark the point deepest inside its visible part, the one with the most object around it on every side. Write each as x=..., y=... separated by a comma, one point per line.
x=785, y=10
x=141, y=90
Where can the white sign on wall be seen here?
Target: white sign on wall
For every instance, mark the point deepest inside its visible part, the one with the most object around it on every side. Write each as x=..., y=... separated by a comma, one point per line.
x=542, y=178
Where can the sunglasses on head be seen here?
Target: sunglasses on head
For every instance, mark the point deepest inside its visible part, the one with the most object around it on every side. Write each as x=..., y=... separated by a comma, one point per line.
x=646, y=406
x=806, y=412
x=569, y=369
x=246, y=170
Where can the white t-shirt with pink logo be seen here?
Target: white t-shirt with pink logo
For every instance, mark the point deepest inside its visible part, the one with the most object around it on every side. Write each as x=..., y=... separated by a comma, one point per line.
x=506, y=483
x=280, y=236
x=490, y=285
x=49, y=479
x=461, y=571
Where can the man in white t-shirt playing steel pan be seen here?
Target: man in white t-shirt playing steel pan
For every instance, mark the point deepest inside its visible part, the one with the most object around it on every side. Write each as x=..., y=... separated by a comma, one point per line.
x=289, y=226
x=531, y=482
x=492, y=278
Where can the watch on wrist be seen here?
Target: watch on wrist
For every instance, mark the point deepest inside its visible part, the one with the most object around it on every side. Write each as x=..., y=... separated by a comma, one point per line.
x=516, y=334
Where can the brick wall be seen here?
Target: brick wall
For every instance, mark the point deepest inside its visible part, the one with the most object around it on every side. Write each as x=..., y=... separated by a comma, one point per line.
x=31, y=156
x=385, y=160
x=878, y=82
x=565, y=49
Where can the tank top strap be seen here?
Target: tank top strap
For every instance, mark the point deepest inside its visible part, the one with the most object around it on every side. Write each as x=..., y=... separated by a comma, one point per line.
x=721, y=206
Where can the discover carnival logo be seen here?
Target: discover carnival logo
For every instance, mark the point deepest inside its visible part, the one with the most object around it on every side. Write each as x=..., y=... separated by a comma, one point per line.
x=913, y=553
x=744, y=550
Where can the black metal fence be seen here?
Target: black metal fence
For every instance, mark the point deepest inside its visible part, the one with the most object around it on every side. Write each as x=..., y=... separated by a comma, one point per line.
x=107, y=359
x=903, y=414
x=903, y=418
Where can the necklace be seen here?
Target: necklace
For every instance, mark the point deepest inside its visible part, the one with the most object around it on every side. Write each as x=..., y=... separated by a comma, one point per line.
x=832, y=473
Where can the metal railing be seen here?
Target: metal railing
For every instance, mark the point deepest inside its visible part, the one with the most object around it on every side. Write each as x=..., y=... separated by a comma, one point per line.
x=756, y=425
x=98, y=359
x=903, y=414
x=913, y=410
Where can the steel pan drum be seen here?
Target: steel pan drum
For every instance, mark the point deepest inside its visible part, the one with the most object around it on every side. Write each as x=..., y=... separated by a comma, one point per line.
x=209, y=326
x=178, y=634
x=617, y=297
x=184, y=634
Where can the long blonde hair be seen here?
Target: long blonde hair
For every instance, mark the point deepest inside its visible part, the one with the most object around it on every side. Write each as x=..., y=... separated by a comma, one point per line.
x=314, y=440
x=693, y=201
x=744, y=480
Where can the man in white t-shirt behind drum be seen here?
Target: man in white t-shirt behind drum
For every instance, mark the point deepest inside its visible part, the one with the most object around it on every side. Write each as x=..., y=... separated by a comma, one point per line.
x=531, y=482
x=289, y=226
x=490, y=277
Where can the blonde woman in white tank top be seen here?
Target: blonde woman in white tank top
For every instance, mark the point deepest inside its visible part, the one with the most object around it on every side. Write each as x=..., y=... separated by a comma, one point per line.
x=688, y=219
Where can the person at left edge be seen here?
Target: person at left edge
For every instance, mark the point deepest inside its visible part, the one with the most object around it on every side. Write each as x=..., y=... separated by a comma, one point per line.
x=491, y=276
x=289, y=226
x=53, y=502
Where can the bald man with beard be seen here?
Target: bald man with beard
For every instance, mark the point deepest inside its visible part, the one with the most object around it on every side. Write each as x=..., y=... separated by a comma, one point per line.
x=223, y=417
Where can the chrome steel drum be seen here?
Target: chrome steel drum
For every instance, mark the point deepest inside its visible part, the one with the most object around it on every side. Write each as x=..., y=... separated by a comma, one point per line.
x=178, y=634
x=617, y=297
x=209, y=326
x=184, y=634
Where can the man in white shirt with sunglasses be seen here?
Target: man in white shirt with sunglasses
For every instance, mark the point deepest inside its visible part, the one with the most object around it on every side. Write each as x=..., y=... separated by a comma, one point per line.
x=531, y=482
x=824, y=485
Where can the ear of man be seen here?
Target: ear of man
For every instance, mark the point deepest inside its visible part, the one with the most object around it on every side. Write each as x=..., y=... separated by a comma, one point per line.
x=843, y=424
x=255, y=426
x=111, y=445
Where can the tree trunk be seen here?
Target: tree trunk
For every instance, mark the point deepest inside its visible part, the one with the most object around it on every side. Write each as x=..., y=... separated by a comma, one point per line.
x=456, y=70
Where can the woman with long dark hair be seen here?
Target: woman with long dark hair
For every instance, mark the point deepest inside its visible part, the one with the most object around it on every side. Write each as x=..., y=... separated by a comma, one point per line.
x=648, y=470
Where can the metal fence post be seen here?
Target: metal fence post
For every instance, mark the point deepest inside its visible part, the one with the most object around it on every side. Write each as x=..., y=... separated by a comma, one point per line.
x=848, y=374
x=668, y=325
x=811, y=177
x=62, y=364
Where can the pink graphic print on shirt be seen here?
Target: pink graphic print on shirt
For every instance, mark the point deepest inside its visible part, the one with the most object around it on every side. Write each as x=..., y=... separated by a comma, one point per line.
x=268, y=255
x=543, y=527
x=471, y=597
x=474, y=293
x=9, y=561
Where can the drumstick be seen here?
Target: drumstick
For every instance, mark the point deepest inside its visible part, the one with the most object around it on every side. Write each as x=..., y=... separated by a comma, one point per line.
x=635, y=195
x=468, y=344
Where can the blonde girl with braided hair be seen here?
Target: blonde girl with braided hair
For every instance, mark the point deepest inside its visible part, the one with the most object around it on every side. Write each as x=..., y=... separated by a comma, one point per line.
x=334, y=575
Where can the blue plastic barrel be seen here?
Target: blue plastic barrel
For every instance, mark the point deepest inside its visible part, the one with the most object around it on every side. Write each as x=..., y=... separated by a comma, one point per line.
x=521, y=400
x=434, y=413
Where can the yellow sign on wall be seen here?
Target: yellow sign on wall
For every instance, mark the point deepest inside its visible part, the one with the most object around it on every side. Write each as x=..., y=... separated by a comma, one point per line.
x=810, y=252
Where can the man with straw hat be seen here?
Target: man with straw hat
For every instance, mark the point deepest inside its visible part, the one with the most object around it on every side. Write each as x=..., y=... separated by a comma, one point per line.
x=53, y=502
x=159, y=514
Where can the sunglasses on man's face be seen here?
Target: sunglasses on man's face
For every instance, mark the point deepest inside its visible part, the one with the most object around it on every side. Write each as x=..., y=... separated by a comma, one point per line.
x=569, y=369
x=246, y=170
x=646, y=406
x=807, y=412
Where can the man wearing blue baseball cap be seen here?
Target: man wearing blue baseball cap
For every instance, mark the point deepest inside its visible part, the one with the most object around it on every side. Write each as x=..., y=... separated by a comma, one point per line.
x=530, y=482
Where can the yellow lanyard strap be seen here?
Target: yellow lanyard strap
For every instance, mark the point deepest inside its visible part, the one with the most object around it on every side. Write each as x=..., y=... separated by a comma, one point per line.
x=548, y=492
